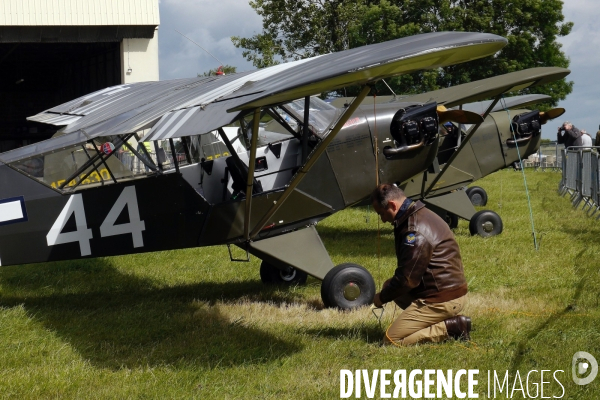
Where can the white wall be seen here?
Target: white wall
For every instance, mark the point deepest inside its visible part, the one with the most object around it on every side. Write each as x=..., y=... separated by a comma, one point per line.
x=141, y=56
x=78, y=12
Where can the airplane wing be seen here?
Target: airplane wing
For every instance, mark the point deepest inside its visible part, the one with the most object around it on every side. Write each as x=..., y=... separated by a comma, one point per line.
x=507, y=103
x=194, y=106
x=488, y=88
x=491, y=87
x=478, y=107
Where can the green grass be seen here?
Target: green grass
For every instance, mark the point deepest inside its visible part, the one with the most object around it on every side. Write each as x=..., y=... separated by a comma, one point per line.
x=192, y=324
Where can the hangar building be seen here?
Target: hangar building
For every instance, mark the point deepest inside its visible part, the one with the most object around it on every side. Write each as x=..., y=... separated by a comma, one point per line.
x=52, y=51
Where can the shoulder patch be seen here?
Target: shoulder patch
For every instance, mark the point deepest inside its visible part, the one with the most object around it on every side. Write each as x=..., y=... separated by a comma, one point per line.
x=410, y=239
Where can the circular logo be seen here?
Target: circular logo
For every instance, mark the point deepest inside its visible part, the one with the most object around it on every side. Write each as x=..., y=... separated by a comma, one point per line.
x=108, y=148
x=583, y=363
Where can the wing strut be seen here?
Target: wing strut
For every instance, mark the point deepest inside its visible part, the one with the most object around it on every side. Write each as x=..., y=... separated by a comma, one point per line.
x=103, y=160
x=275, y=115
x=228, y=143
x=250, y=179
x=144, y=159
x=91, y=162
x=314, y=157
x=305, y=131
x=462, y=145
x=174, y=154
x=186, y=150
x=159, y=163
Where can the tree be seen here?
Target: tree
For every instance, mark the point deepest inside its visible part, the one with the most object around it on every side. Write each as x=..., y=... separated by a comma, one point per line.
x=226, y=69
x=294, y=29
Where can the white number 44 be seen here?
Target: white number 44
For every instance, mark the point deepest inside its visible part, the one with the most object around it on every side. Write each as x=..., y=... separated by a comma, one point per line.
x=83, y=234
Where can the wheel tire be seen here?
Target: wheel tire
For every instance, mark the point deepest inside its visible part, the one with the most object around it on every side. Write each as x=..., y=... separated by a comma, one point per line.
x=272, y=275
x=347, y=286
x=485, y=223
x=477, y=195
x=451, y=220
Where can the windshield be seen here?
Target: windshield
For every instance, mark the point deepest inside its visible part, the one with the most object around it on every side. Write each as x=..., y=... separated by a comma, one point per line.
x=321, y=116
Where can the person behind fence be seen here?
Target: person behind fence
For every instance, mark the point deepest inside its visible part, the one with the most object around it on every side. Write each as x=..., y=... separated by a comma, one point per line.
x=568, y=135
x=597, y=141
x=429, y=283
x=148, y=147
x=586, y=139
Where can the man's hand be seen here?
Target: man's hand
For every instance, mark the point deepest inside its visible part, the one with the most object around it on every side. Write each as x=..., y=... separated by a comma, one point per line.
x=377, y=301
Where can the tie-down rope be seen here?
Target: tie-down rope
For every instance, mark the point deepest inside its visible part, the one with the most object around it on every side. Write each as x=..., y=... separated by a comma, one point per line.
x=535, y=242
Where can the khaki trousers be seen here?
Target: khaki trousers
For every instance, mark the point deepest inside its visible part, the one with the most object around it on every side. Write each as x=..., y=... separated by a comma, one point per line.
x=422, y=322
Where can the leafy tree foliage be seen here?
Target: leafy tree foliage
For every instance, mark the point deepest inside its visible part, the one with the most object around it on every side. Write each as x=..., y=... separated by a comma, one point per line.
x=226, y=69
x=295, y=29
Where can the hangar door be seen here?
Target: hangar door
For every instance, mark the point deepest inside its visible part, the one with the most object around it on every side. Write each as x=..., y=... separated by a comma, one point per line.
x=37, y=76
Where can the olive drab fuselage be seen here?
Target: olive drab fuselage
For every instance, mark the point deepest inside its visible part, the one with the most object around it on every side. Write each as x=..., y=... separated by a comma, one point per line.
x=173, y=210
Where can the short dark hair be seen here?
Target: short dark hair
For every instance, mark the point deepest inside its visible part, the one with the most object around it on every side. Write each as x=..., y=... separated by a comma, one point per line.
x=386, y=192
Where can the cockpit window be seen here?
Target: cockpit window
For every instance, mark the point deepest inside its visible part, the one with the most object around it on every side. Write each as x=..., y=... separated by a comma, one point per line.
x=322, y=114
x=108, y=160
x=95, y=162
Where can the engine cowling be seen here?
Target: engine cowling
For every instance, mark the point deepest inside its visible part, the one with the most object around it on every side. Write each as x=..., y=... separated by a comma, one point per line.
x=525, y=126
x=412, y=128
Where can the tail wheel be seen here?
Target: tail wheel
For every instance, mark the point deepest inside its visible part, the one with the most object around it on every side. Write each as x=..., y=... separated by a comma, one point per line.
x=347, y=286
x=485, y=223
x=270, y=274
x=477, y=195
x=451, y=220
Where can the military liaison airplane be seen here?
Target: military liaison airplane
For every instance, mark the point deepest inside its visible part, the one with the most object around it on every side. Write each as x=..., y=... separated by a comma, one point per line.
x=509, y=132
x=72, y=196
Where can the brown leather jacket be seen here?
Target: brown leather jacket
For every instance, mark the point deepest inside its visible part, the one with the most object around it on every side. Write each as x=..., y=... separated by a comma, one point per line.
x=429, y=262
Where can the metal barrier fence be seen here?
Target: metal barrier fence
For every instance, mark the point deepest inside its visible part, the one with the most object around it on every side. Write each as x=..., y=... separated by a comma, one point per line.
x=580, y=172
x=548, y=156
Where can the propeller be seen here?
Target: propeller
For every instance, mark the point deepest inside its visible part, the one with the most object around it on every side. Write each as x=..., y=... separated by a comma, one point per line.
x=459, y=116
x=546, y=116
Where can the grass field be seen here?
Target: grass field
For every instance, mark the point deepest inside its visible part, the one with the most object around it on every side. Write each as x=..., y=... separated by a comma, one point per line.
x=191, y=324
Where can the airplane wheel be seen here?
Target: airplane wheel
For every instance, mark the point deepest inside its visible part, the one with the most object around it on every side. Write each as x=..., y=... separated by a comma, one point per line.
x=477, y=195
x=451, y=220
x=270, y=274
x=485, y=223
x=347, y=286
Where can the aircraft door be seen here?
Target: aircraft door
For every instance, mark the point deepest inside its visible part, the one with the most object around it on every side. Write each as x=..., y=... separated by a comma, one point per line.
x=486, y=144
x=353, y=159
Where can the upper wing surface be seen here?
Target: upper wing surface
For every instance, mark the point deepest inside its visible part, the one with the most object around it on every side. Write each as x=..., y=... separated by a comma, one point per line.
x=199, y=105
x=491, y=87
x=333, y=71
x=507, y=103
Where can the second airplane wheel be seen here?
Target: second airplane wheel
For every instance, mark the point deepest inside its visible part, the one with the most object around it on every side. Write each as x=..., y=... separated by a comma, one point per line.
x=485, y=223
x=347, y=286
x=477, y=195
x=270, y=274
x=451, y=220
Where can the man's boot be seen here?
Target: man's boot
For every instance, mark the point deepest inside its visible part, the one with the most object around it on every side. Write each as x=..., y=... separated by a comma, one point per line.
x=459, y=327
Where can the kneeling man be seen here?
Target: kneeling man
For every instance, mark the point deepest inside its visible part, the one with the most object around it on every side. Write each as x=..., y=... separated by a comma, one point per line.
x=429, y=283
